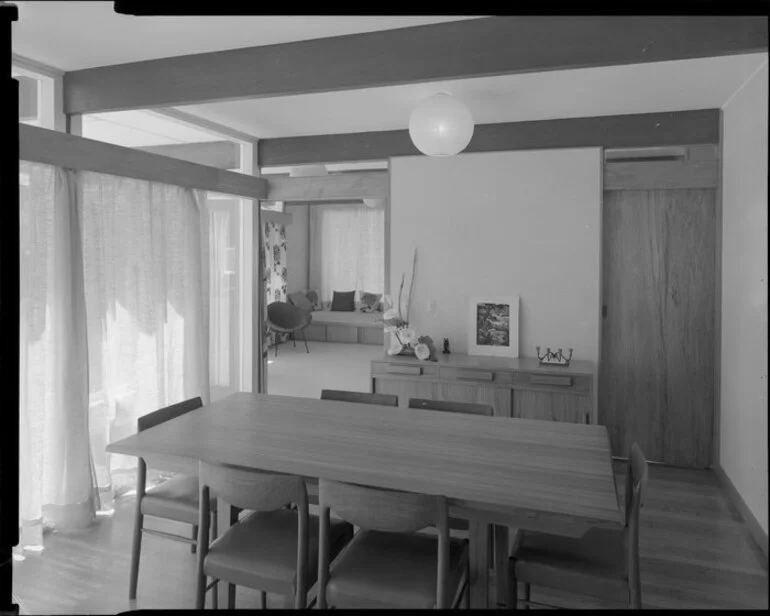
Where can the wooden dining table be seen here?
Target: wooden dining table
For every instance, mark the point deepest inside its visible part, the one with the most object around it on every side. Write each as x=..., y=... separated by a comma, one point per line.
x=496, y=472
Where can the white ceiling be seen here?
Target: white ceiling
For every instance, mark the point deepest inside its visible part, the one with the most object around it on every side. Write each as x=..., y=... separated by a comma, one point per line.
x=75, y=35
x=134, y=129
x=640, y=88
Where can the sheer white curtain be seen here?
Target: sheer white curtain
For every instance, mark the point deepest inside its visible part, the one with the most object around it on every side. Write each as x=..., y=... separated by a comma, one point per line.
x=223, y=292
x=56, y=483
x=347, y=249
x=114, y=324
x=147, y=306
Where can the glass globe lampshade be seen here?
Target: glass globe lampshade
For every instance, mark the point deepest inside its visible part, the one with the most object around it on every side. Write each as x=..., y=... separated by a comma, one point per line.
x=441, y=126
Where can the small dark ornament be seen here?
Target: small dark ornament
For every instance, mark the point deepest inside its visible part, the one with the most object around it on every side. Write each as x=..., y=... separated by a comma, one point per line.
x=446, y=350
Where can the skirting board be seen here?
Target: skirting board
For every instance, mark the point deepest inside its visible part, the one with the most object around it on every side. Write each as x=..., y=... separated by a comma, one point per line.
x=755, y=530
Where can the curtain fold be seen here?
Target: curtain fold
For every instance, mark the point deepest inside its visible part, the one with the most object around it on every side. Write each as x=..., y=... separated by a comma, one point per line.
x=347, y=249
x=56, y=482
x=222, y=296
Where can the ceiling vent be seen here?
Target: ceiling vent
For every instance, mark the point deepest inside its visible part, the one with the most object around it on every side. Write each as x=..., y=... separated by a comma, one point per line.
x=308, y=171
x=645, y=154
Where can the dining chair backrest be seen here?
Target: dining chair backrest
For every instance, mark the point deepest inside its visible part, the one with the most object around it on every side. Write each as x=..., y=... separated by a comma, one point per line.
x=150, y=420
x=380, y=509
x=636, y=481
x=359, y=396
x=251, y=489
x=155, y=418
x=449, y=406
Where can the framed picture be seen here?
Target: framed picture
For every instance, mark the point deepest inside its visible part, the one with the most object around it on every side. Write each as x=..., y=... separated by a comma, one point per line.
x=493, y=326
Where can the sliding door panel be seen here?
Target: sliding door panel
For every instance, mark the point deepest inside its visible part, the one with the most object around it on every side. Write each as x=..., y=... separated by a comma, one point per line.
x=657, y=363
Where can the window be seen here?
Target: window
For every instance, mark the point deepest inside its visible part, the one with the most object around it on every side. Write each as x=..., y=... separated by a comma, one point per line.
x=347, y=249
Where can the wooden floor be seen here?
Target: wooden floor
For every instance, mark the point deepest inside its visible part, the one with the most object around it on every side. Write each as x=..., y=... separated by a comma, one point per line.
x=695, y=551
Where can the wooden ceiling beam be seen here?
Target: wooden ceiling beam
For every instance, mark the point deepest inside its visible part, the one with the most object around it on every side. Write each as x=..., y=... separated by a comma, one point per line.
x=452, y=50
x=64, y=150
x=219, y=154
x=333, y=187
x=621, y=131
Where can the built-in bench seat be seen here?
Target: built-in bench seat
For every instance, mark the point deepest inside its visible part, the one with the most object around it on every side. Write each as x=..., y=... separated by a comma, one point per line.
x=358, y=327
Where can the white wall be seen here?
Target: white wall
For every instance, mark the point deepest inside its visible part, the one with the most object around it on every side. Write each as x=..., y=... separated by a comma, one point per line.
x=297, y=247
x=743, y=416
x=525, y=223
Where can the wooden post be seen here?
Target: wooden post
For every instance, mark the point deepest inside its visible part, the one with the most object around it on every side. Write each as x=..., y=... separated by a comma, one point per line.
x=9, y=315
x=250, y=165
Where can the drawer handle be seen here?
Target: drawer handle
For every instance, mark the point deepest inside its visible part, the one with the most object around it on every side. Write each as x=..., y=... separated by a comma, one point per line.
x=414, y=370
x=475, y=376
x=559, y=381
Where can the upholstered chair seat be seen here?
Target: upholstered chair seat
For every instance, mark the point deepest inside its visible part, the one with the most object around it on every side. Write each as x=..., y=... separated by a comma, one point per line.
x=174, y=499
x=594, y=564
x=261, y=551
x=603, y=563
x=392, y=570
x=389, y=564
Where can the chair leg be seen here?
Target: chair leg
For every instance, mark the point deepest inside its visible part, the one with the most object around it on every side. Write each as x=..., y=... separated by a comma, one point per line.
x=513, y=586
x=467, y=601
x=136, y=549
x=194, y=546
x=200, y=593
x=215, y=588
x=491, y=549
x=263, y=600
x=275, y=343
x=305, y=341
x=526, y=595
x=294, y=338
x=231, y=596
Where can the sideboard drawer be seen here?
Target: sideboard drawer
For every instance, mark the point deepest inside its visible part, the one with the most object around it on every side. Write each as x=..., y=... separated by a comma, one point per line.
x=565, y=382
x=476, y=375
x=408, y=370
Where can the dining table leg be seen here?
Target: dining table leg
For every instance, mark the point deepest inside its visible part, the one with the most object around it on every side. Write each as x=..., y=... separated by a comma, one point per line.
x=502, y=552
x=479, y=564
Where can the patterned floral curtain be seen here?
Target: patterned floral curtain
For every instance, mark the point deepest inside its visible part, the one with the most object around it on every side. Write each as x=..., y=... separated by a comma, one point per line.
x=275, y=266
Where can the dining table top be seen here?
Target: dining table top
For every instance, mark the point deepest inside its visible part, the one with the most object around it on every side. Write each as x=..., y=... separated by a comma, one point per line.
x=556, y=468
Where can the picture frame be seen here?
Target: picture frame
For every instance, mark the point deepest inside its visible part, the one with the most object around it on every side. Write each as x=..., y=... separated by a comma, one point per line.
x=493, y=325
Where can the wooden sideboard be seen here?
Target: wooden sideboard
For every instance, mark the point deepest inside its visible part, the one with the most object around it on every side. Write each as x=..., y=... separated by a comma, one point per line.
x=514, y=387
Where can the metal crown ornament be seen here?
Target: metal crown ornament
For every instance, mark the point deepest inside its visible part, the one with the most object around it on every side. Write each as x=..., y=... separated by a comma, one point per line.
x=554, y=359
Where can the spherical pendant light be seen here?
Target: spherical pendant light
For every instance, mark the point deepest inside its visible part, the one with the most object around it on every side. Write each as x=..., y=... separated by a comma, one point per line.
x=441, y=126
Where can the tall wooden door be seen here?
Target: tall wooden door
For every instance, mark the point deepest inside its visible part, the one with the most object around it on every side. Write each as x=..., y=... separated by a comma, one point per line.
x=656, y=383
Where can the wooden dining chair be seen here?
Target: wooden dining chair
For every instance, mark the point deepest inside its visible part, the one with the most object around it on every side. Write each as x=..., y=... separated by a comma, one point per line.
x=603, y=563
x=271, y=549
x=388, y=564
x=450, y=406
x=175, y=499
x=359, y=396
x=469, y=408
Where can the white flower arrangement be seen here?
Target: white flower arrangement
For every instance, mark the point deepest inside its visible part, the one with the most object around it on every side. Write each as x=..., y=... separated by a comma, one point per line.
x=404, y=340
